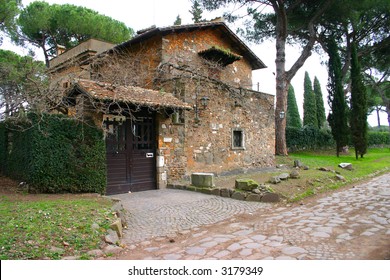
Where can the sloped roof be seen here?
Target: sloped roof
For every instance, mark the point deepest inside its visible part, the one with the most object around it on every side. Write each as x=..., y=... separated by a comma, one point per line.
x=128, y=94
x=145, y=34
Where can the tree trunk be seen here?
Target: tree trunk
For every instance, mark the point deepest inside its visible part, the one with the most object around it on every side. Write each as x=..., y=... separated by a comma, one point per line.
x=378, y=117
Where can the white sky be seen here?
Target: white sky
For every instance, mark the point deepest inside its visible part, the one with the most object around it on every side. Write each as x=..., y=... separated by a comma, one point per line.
x=139, y=14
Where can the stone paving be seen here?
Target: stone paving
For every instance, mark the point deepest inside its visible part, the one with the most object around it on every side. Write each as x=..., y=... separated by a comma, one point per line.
x=353, y=223
x=167, y=212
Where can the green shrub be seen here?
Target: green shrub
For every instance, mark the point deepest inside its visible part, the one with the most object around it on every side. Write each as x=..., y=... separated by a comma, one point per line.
x=3, y=147
x=308, y=137
x=57, y=154
x=376, y=138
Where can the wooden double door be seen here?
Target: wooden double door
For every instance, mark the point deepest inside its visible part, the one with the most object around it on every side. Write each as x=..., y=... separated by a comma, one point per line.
x=131, y=154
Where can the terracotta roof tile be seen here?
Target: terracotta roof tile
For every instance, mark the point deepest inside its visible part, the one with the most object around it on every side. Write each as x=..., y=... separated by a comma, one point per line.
x=128, y=94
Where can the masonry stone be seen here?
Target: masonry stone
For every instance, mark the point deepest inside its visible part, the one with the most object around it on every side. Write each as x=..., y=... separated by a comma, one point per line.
x=246, y=184
x=270, y=197
x=202, y=179
x=239, y=195
x=253, y=197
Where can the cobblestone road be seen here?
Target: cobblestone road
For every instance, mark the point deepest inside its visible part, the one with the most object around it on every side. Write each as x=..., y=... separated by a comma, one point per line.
x=353, y=223
x=167, y=212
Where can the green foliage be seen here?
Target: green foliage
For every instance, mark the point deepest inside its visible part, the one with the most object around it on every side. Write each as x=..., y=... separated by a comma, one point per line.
x=177, y=20
x=46, y=26
x=9, y=10
x=196, y=12
x=293, y=118
x=3, y=147
x=309, y=104
x=56, y=154
x=358, y=120
x=338, y=115
x=30, y=228
x=308, y=138
x=377, y=138
x=321, y=118
x=22, y=82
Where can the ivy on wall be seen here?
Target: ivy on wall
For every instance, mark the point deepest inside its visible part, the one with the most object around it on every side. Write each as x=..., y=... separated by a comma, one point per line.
x=54, y=154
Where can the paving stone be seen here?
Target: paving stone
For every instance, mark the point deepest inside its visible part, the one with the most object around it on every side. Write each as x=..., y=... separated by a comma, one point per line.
x=258, y=237
x=234, y=247
x=246, y=252
x=252, y=245
x=209, y=244
x=196, y=251
x=222, y=254
x=320, y=234
x=172, y=257
x=285, y=258
x=293, y=250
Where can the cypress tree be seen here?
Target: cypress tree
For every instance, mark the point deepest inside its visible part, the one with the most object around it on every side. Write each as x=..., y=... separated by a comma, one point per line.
x=178, y=20
x=337, y=117
x=358, y=120
x=321, y=118
x=293, y=118
x=309, y=104
x=196, y=12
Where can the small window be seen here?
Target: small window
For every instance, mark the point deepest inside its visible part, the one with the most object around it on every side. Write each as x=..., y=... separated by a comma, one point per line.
x=238, y=139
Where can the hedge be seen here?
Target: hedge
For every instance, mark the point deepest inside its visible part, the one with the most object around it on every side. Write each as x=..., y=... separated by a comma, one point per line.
x=312, y=138
x=377, y=138
x=308, y=138
x=56, y=154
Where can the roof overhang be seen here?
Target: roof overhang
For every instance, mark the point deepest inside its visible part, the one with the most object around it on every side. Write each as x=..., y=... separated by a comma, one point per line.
x=106, y=92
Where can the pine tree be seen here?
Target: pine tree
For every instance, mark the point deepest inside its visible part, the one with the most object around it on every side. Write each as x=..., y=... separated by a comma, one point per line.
x=293, y=118
x=337, y=117
x=178, y=20
x=321, y=118
x=309, y=104
x=358, y=120
x=196, y=12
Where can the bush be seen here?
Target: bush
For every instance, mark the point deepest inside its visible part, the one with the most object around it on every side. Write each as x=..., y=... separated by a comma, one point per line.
x=56, y=154
x=378, y=138
x=308, y=137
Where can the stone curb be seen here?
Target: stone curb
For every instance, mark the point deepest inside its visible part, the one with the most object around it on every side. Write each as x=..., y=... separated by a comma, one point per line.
x=229, y=193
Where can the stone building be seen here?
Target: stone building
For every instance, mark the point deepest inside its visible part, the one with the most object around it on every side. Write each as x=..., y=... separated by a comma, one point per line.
x=172, y=101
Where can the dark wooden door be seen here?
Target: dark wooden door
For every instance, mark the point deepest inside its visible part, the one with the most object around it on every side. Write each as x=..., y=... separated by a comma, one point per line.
x=131, y=155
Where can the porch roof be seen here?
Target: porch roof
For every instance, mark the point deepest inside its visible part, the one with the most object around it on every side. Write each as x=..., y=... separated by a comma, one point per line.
x=128, y=94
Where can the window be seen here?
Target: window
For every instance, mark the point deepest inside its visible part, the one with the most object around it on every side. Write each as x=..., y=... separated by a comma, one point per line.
x=238, y=139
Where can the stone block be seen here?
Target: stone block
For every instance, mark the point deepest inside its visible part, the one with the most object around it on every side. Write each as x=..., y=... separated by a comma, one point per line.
x=246, y=184
x=294, y=174
x=239, y=195
x=216, y=191
x=205, y=191
x=284, y=176
x=253, y=197
x=202, y=179
x=270, y=197
x=225, y=192
x=111, y=237
x=191, y=188
x=117, y=226
x=275, y=180
x=347, y=166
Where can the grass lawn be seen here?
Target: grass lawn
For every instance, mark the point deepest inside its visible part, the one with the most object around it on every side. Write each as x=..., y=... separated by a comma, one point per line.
x=51, y=226
x=376, y=161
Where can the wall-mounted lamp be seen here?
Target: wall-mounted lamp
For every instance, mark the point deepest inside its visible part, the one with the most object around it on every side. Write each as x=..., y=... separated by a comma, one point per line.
x=282, y=114
x=204, y=101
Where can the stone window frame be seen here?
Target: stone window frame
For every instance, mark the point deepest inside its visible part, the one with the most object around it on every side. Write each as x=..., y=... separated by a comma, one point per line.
x=242, y=146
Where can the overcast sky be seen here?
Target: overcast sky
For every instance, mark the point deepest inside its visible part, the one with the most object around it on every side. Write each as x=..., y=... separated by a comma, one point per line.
x=139, y=14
